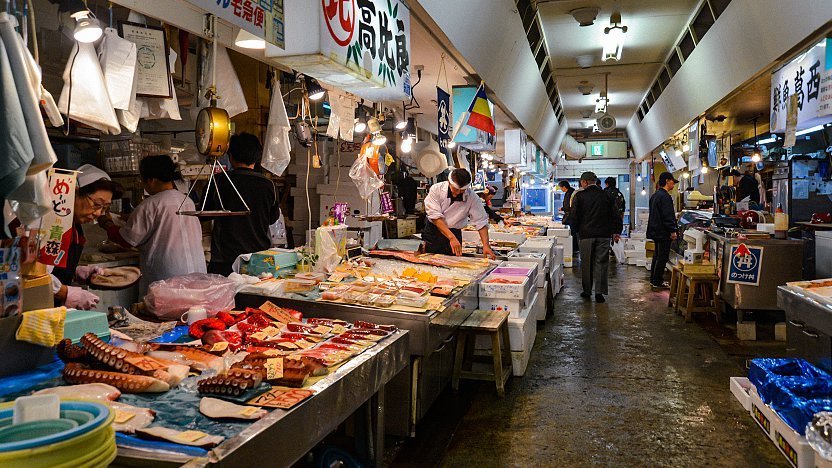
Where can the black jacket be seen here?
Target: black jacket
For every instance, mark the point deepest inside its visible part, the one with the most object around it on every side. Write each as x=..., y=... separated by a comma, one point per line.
x=236, y=235
x=748, y=187
x=662, y=221
x=567, y=204
x=593, y=214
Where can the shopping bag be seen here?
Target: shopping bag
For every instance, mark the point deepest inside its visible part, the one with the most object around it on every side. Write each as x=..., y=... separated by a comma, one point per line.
x=618, y=250
x=118, y=63
x=364, y=177
x=276, y=145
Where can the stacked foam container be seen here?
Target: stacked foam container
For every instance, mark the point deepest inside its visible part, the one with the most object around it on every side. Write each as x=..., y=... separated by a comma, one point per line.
x=518, y=295
x=563, y=239
x=638, y=249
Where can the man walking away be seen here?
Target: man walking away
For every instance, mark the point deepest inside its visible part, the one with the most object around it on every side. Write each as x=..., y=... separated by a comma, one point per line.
x=615, y=195
x=596, y=220
x=236, y=235
x=661, y=228
x=568, y=193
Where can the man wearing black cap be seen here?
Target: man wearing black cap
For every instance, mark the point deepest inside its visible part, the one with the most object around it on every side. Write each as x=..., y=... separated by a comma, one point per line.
x=661, y=228
x=596, y=220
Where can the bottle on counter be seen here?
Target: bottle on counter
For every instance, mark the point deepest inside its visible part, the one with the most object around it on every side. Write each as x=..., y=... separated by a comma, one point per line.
x=781, y=223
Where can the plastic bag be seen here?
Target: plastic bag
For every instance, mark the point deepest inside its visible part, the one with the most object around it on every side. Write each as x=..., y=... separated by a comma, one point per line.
x=90, y=103
x=163, y=108
x=618, y=250
x=341, y=117
x=327, y=250
x=118, y=63
x=364, y=177
x=276, y=146
x=31, y=200
x=277, y=231
x=169, y=299
x=229, y=89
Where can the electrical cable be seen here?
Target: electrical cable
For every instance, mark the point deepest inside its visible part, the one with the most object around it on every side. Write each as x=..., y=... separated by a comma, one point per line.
x=69, y=94
x=412, y=95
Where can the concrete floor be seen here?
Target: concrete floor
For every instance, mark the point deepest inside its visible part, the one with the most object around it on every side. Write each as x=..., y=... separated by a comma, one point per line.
x=625, y=383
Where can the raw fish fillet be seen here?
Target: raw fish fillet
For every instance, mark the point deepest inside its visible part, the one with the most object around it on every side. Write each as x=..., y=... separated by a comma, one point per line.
x=216, y=408
x=94, y=391
x=142, y=417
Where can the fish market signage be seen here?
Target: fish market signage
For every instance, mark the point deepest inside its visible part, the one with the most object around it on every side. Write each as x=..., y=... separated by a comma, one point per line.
x=263, y=18
x=371, y=38
x=801, y=78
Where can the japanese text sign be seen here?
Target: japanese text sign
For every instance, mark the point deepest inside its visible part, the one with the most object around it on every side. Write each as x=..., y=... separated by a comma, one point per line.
x=57, y=223
x=745, y=265
x=443, y=117
x=263, y=18
x=386, y=203
x=371, y=37
x=801, y=78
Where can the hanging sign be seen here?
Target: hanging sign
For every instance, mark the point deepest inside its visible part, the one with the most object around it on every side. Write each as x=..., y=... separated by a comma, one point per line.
x=790, y=138
x=263, y=18
x=57, y=224
x=371, y=37
x=386, y=203
x=745, y=265
x=443, y=117
x=801, y=78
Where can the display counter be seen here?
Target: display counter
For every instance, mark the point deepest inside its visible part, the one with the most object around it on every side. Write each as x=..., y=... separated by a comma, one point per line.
x=808, y=326
x=782, y=261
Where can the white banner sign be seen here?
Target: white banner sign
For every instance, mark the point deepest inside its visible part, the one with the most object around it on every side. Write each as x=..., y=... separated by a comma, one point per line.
x=371, y=37
x=263, y=18
x=801, y=78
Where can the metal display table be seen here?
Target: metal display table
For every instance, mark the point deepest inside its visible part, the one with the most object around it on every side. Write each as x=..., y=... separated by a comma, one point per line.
x=808, y=327
x=284, y=436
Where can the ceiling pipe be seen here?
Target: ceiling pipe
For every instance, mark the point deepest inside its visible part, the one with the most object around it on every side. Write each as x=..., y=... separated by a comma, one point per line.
x=572, y=148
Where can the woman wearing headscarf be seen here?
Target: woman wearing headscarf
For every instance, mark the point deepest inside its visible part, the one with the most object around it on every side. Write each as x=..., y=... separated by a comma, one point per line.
x=169, y=244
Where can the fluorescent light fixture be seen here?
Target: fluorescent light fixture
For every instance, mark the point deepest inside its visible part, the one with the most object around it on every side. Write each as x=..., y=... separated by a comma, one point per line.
x=613, y=39
x=247, y=40
x=87, y=29
x=768, y=140
x=809, y=130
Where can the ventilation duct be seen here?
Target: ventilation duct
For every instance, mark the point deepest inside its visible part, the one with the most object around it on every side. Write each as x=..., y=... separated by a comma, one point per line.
x=572, y=149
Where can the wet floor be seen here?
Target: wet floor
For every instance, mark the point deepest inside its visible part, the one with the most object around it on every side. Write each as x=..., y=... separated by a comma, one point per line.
x=625, y=383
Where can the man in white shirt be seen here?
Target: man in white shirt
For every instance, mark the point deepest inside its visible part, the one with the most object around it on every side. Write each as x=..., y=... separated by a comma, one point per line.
x=451, y=206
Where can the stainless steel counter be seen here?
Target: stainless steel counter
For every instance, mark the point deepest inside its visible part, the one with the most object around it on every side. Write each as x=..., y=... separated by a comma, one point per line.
x=808, y=327
x=782, y=262
x=284, y=436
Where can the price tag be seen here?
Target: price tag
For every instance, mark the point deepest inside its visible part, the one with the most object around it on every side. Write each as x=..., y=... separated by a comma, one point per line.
x=190, y=436
x=274, y=368
x=259, y=336
x=123, y=416
x=322, y=329
x=277, y=313
x=338, y=329
x=219, y=347
x=284, y=398
x=248, y=411
x=272, y=352
x=145, y=363
x=337, y=277
x=271, y=331
x=303, y=344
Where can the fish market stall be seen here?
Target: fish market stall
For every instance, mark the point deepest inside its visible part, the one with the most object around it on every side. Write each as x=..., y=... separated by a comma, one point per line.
x=808, y=306
x=274, y=398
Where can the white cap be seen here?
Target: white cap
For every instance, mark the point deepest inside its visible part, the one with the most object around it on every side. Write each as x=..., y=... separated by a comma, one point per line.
x=88, y=174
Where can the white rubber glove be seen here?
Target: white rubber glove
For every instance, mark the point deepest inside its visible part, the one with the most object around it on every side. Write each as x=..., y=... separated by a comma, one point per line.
x=78, y=298
x=84, y=272
x=56, y=284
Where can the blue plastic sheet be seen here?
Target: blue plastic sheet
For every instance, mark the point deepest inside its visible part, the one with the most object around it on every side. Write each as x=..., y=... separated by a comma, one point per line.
x=24, y=383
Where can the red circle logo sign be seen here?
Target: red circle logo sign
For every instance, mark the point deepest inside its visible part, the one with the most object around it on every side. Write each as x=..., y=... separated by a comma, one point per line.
x=339, y=16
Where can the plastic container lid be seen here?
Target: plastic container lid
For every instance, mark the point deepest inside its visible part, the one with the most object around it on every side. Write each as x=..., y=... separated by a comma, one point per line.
x=42, y=429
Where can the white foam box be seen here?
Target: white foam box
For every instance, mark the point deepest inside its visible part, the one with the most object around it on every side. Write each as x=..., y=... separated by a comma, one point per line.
x=791, y=445
x=557, y=279
x=638, y=235
x=514, y=307
x=521, y=330
x=522, y=291
x=568, y=254
x=558, y=260
x=544, y=245
x=530, y=257
x=505, y=236
x=512, y=268
x=741, y=388
x=557, y=232
x=640, y=262
x=539, y=310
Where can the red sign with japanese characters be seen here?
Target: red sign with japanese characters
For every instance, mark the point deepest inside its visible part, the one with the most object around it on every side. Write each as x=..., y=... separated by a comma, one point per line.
x=56, y=233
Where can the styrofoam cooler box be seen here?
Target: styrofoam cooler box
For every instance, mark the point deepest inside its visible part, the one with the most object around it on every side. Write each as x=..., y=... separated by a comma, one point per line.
x=557, y=232
x=534, y=273
x=544, y=245
x=568, y=254
x=470, y=236
x=791, y=445
x=530, y=257
x=558, y=259
x=557, y=279
x=539, y=310
x=497, y=290
x=505, y=236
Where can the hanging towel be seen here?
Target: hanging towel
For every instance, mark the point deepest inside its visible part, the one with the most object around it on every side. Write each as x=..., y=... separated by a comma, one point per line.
x=90, y=102
x=27, y=82
x=118, y=63
x=43, y=327
x=276, y=146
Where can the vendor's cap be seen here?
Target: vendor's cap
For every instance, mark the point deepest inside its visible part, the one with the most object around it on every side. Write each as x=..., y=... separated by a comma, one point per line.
x=88, y=174
x=589, y=176
x=665, y=176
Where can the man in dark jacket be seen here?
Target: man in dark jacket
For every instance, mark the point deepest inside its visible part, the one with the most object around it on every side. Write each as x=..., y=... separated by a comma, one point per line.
x=661, y=227
x=568, y=192
x=615, y=195
x=747, y=186
x=236, y=235
x=596, y=220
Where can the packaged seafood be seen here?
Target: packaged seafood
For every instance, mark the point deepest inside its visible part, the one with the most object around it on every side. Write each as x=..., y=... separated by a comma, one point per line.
x=384, y=300
x=416, y=301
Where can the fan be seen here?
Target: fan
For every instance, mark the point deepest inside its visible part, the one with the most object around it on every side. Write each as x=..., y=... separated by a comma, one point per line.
x=430, y=161
x=606, y=123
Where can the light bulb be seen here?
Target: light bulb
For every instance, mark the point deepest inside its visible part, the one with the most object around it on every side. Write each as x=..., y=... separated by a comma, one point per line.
x=686, y=175
x=401, y=124
x=360, y=126
x=756, y=157
x=686, y=147
x=87, y=29
x=451, y=144
x=407, y=145
x=704, y=169
x=379, y=139
x=643, y=191
x=638, y=178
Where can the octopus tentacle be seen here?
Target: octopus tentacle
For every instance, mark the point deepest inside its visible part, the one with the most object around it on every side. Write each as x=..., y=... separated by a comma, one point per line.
x=117, y=358
x=75, y=373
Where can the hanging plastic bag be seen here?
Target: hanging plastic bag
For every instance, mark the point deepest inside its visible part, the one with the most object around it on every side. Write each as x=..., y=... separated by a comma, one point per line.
x=277, y=231
x=229, y=89
x=90, y=103
x=129, y=118
x=326, y=249
x=118, y=63
x=276, y=146
x=364, y=176
x=341, y=120
x=31, y=200
x=618, y=250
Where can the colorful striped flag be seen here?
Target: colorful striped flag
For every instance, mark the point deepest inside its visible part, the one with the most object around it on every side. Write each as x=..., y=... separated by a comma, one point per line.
x=479, y=113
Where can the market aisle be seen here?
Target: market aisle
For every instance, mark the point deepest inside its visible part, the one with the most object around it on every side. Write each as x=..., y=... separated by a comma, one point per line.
x=622, y=383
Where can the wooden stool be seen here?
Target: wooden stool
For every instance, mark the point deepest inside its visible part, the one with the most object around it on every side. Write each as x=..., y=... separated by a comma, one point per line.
x=687, y=297
x=675, y=274
x=495, y=325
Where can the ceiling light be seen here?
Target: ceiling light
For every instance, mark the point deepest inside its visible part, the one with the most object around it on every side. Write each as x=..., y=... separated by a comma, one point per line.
x=809, y=130
x=643, y=191
x=686, y=147
x=409, y=127
x=601, y=105
x=585, y=16
x=360, y=126
x=407, y=145
x=379, y=139
x=704, y=168
x=638, y=178
x=87, y=29
x=401, y=123
x=756, y=157
x=314, y=89
x=686, y=175
x=451, y=144
x=677, y=151
x=531, y=179
x=585, y=87
x=585, y=61
x=525, y=184
x=247, y=40
x=613, y=39
x=766, y=141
